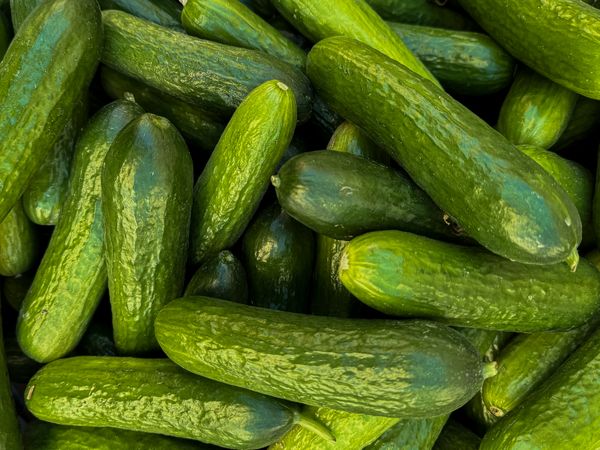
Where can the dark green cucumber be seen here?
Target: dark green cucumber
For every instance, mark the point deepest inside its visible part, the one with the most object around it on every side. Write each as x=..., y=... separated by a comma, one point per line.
x=162, y=12
x=223, y=277
x=156, y=396
x=564, y=34
x=14, y=289
x=147, y=184
x=233, y=23
x=20, y=367
x=18, y=243
x=236, y=176
x=98, y=341
x=407, y=275
x=213, y=76
x=5, y=35
x=197, y=125
x=20, y=9
x=497, y=195
x=418, y=434
x=278, y=254
x=456, y=436
x=71, y=278
x=536, y=110
x=421, y=12
x=464, y=62
x=347, y=364
x=584, y=121
x=43, y=74
x=564, y=409
x=10, y=435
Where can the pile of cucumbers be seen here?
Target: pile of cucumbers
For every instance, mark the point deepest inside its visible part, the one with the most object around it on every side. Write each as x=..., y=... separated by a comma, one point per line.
x=299, y=224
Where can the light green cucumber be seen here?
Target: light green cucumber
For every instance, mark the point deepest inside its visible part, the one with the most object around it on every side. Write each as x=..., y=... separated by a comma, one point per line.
x=18, y=243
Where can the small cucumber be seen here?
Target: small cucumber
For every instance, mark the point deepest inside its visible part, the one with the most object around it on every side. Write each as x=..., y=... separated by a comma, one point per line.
x=455, y=436
x=351, y=365
x=10, y=435
x=98, y=341
x=584, y=121
x=156, y=396
x=421, y=12
x=71, y=278
x=162, y=12
x=536, y=110
x=418, y=434
x=14, y=289
x=236, y=176
x=278, y=254
x=220, y=277
x=213, y=76
x=407, y=275
x=18, y=243
x=20, y=9
x=147, y=184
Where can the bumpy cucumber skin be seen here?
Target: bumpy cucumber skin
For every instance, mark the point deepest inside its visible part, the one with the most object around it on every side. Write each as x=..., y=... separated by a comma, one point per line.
x=498, y=196
x=279, y=255
x=418, y=434
x=162, y=12
x=213, y=76
x=42, y=76
x=584, y=120
x=464, y=62
x=223, y=277
x=72, y=275
x=236, y=176
x=10, y=435
x=536, y=110
x=347, y=364
x=231, y=22
x=18, y=243
x=155, y=396
x=420, y=12
x=412, y=276
x=20, y=9
x=455, y=436
x=147, y=185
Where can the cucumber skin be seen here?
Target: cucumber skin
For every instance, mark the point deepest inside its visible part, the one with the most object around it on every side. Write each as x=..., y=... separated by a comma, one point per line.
x=140, y=394
x=497, y=195
x=19, y=246
x=403, y=274
x=584, y=120
x=317, y=367
x=10, y=435
x=58, y=49
x=71, y=278
x=455, y=436
x=14, y=289
x=418, y=434
x=213, y=76
x=20, y=9
x=147, y=184
x=166, y=13
x=420, y=12
x=236, y=176
x=464, y=62
x=519, y=25
x=536, y=110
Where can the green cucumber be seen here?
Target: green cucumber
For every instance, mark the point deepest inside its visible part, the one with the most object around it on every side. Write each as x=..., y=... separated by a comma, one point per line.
x=348, y=364
x=407, y=275
x=278, y=254
x=197, y=125
x=421, y=12
x=18, y=243
x=497, y=195
x=5, y=35
x=233, y=23
x=20, y=10
x=464, y=62
x=156, y=396
x=71, y=278
x=417, y=434
x=536, y=110
x=162, y=12
x=20, y=367
x=348, y=138
x=147, y=184
x=236, y=176
x=10, y=435
x=596, y=202
x=564, y=34
x=47, y=67
x=223, y=277
x=98, y=341
x=14, y=289
x=213, y=76
x=455, y=436
x=584, y=121
x=564, y=409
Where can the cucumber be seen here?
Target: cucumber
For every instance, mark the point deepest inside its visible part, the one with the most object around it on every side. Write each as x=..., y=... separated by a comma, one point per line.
x=71, y=278
x=162, y=12
x=584, y=121
x=221, y=277
x=156, y=396
x=418, y=434
x=348, y=364
x=233, y=23
x=147, y=183
x=455, y=436
x=464, y=62
x=348, y=138
x=236, y=176
x=565, y=409
x=14, y=289
x=536, y=110
x=42, y=76
x=421, y=12
x=10, y=435
x=18, y=243
x=497, y=195
x=197, y=125
x=20, y=367
x=5, y=34
x=564, y=34
x=596, y=202
x=20, y=9
x=278, y=254
x=98, y=341
x=407, y=275
x=212, y=76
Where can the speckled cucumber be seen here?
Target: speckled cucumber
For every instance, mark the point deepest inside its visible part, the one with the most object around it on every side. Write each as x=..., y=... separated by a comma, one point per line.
x=166, y=13
x=418, y=434
x=10, y=435
x=497, y=195
x=421, y=12
x=19, y=243
x=456, y=436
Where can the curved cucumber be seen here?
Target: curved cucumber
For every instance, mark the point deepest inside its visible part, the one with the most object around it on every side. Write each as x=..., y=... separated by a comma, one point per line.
x=213, y=76
x=71, y=278
x=10, y=435
x=412, y=276
x=18, y=243
x=496, y=194
x=536, y=110
x=236, y=176
x=455, y=436
x=347, y=364
x=418, y=434
x=162, y=12
x=420, y=12
x=147, y=184
x=584, y=120
x=14, y=289
x=20, y=9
